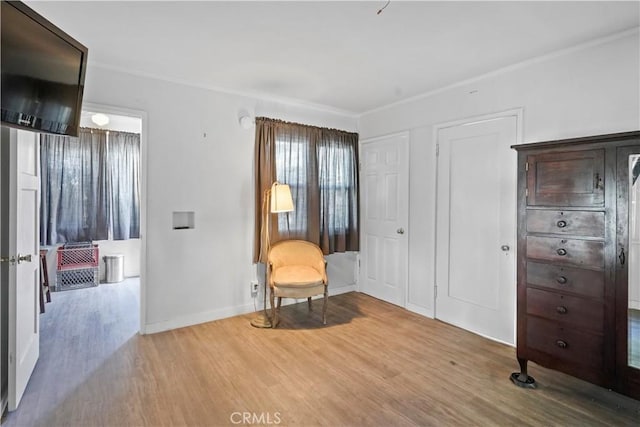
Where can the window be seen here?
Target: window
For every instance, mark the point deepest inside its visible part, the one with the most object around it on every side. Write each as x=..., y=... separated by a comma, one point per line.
x=89, y=186
x=320, y=167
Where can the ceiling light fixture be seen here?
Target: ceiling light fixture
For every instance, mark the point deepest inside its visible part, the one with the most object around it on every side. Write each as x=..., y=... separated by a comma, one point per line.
x=100, y=119
x=383, y=7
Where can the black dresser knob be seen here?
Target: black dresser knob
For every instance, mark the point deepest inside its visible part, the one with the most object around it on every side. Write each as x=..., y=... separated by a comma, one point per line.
x=561, y=224
x=561, y=309
x=561, y=252
x=562, y=344
x=561, y=279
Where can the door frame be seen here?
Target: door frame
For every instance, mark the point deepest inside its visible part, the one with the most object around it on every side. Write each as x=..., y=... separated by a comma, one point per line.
x=142, y=115
x=406, y=134
x=518, y=113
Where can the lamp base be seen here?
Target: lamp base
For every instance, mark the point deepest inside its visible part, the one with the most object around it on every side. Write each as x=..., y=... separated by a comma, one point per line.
x=261, y=321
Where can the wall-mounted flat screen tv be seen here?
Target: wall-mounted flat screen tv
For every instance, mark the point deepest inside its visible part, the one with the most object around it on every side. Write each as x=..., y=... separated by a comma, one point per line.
x=43, y=71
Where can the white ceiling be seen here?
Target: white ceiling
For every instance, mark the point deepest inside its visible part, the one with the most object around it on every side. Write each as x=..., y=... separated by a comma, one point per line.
x=336, y=54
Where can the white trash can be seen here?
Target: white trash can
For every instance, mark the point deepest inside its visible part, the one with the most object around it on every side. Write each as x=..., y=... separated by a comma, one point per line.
x=113, y=268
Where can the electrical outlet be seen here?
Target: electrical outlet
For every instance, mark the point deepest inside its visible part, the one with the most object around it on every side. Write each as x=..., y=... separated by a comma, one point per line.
x=254, y=288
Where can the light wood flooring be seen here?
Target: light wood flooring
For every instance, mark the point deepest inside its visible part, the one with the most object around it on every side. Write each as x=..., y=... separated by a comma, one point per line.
x=374, y=364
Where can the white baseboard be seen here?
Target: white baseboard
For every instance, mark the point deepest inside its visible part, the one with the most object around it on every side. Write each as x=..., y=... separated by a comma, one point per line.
x=222, y=313
x=342, y=289
x=420, y=310
x=197, y=318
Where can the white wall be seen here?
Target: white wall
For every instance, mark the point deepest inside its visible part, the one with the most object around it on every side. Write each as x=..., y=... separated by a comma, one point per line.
x=588, y=91
x=201, y=274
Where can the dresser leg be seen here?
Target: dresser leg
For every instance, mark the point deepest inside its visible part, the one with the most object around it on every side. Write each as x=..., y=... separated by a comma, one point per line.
x=522, y=379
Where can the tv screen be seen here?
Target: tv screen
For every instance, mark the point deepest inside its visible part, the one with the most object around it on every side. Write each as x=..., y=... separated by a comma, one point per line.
x=43, y=72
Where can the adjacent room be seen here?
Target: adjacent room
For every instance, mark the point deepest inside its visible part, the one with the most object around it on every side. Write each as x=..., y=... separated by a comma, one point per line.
x=353, y=213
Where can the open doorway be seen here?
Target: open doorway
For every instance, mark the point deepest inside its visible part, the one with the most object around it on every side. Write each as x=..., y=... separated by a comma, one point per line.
x=92, y=203
x=77, y=325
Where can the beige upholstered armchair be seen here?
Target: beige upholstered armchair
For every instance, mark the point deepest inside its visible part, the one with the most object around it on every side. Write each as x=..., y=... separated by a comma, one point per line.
x=296, y=269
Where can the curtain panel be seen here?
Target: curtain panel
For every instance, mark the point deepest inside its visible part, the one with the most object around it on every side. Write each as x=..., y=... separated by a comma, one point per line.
x=89, y=186
x=123, y=160
x=320, y=166
x=74, y=200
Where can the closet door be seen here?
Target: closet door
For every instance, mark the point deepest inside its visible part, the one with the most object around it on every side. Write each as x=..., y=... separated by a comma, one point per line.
x=628, y=271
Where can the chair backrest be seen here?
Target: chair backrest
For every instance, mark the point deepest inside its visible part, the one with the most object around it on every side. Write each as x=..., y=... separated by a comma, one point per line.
x=297, y=252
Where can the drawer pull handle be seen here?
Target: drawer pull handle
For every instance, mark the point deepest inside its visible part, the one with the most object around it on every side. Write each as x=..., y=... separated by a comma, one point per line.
x=561, y=252
x=561, y=224
x=561, y=344
x=561, y=279
x=561, y=309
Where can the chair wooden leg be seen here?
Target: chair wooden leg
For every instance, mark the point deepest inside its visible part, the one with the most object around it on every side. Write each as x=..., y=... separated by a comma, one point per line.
x=324, y=307
x=42, y=292
x=45, y=277
x=274, y=311
x=279, y=302
x=42, y=286
x=309, y=302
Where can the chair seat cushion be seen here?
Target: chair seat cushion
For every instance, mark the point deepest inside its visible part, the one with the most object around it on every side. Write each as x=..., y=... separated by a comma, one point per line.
x=296, y=276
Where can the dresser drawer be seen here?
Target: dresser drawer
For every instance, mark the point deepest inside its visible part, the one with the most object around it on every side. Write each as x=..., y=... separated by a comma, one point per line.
x=565, y=343
x=576, y=223
x=577, y=280
x=581, y=253
x=579, y=312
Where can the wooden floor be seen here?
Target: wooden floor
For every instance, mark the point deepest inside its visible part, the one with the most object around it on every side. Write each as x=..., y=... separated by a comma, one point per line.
x=374, y=364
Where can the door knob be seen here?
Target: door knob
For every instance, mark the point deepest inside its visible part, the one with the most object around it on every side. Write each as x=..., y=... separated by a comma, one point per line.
x=505, y=248
x=22, y=258
x=10, y=260
x=400, y=230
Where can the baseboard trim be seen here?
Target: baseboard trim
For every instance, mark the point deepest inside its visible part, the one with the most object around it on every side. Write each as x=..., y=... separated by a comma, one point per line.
x=197, y=318
x=342, y=290
x=420, y=310
x=223, y=313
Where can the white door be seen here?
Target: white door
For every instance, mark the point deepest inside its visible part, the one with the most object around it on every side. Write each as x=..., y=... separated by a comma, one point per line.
x=475, y=227
x=24, y=272
x=385, y=215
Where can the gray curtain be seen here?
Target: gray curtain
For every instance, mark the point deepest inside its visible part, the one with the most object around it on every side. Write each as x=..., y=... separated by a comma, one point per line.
x=74, y=199
x=89, y=187
x=321, y=167
x=123, y=157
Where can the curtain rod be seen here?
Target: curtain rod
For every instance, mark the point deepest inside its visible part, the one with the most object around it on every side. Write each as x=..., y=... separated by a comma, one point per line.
x=108, y=130
x=279, y=121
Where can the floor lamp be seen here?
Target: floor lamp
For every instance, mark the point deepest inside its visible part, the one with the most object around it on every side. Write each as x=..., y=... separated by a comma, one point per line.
x=276, y=199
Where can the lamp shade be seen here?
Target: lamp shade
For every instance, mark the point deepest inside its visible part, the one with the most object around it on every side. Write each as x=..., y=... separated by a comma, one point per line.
x=281, y=200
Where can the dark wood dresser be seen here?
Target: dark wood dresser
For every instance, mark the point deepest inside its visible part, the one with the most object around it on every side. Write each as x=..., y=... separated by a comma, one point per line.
x=570, y=288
